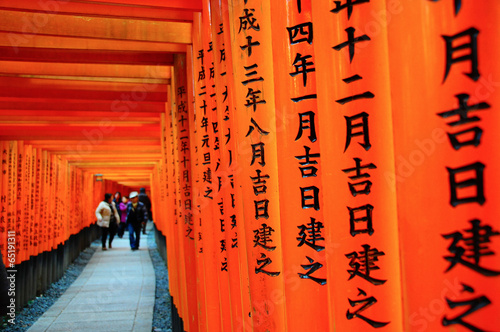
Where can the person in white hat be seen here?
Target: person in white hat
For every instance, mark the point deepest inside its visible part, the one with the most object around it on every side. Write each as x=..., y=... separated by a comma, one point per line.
x=136, y=215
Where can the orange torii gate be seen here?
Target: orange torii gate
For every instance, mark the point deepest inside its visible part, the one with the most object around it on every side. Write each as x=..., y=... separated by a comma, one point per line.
x=45, y=203
x=356, y=205
x=314, y=165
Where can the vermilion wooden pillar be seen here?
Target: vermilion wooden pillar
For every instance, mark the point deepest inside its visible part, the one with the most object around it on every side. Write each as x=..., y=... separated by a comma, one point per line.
x=85, y=199
x=256, y=146
x=72, y=192
x=39, y=187
x=79, y=208
x=21, y=177
x=228, y=192
x=52, y=216
x=43, y=201
x=220, y=197
x=3, y=200
x=163, y=181
x=12, y=156
x=185, y=198
x=363, y=255
x=299, y=166
x=170, y=215
x=173, y=244
x=58, y=189
x=444, y=74
x=246, y=321
x=197, y=167
x=212, y=189
x=35, y=193
x=205, y=110
x=59, y=207
x=182, y=301
x=26, y=212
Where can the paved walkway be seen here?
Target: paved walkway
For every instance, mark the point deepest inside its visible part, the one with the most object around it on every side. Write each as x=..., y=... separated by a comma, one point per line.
x=115, y=292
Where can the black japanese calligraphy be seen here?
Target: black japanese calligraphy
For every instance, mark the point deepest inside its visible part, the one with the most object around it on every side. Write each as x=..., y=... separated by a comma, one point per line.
x=473, y=137
x=312, y=267
x=306, y=122
x=310, y=234
x=254, y=125
x=248, y=21
x=351, y=42
x=251, y=71
x=364, y=95
x=181, y=91
x=351, y=130
x=253, y=99
x=367, y=303
x=201, y=74
x=259, y=183
x=201, y=56
x=472, y=57
x=365, y=185
x=249, y=46
x=310, y=200
x=223, y=267
x=262, y=209
x=366, y=218
x=477, y=181
x=265, y=261
x=472, y=248
x=463, y=111
x=348, y=5
x=262, y=237
x=306, y=97
x=258, y=154
x=302, y=67
x=363, y=262
x=307, y=170
x=300, y=33
x=474, y=305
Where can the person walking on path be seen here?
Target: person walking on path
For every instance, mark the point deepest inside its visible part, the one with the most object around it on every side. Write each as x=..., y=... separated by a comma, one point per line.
x=122, y=208
x=118, y=198
x=144, y=199
x=137, y=214
x=107, y=219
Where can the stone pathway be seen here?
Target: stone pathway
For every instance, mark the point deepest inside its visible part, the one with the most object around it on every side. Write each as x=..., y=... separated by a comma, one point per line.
x=115, y=292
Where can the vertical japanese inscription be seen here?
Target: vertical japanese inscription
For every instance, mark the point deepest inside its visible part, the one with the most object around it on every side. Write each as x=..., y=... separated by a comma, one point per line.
x=469, y=240
x=249, y=25
x=361, y=214
x=306, y=178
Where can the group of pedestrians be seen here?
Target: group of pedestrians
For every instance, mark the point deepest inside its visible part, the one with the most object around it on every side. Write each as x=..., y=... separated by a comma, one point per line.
x=116, y=215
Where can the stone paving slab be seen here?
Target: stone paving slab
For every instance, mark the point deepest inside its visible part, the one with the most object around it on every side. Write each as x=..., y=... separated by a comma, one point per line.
x=115, y=292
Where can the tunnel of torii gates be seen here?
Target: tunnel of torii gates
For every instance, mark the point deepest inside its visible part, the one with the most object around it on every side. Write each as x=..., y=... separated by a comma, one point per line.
x=313, y=165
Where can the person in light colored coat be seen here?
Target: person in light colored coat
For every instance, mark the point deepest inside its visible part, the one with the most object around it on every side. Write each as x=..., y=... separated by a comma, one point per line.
x=108, y=219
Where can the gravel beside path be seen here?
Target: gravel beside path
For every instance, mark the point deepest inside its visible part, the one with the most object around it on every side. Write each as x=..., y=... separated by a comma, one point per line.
x=162, y=315
x=42, y=303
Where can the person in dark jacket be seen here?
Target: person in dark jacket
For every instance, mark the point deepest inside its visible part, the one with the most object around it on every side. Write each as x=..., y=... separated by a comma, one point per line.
x=143, y=197
x=137, y=214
